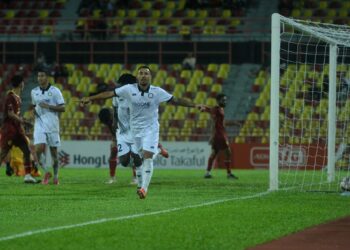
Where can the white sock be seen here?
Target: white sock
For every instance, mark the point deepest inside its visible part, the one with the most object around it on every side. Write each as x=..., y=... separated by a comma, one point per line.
x=138, y=171
x=147, y=173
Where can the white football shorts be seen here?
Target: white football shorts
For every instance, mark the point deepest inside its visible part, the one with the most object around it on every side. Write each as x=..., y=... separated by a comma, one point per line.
x=148, y=142
x=124, y=145
x=51, y=139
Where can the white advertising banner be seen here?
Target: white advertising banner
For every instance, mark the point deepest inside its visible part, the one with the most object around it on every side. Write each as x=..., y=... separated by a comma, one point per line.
x=95, y=154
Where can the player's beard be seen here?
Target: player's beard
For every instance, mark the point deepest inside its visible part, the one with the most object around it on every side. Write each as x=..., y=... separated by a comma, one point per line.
x=144, y=83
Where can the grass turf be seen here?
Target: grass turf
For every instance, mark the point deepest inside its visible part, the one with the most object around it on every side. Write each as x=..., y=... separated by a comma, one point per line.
x=246, y=219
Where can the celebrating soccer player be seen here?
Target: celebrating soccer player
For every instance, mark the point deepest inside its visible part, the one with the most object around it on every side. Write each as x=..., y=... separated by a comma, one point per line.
x=48, y=102
x=126, y=148
x=12, y=131
x=218, y=139
x=143, y=100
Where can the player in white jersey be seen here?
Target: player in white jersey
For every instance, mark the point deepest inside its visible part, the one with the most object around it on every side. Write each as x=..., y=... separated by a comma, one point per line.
x=122, y=134
x=144, y=100
x=47, y=102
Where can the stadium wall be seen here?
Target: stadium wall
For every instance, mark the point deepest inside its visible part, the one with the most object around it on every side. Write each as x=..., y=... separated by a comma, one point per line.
x=94, y=154
x=134, y=52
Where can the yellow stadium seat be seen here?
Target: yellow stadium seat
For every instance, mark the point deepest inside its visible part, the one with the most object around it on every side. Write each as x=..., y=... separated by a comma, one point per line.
x=170, y=80
x=170, y=109
x=216, y=88
x=226, y=13
x=296, y=13
x=179, y=116
x=170, y=5
x=132, y=13
x=43, y=13
x=199, y=22
x=70, y=67
x=239, y=139
x=202, y=13
x=117, y=67
x=173, y=131
x=207, y=80
x=201, y=94
x=146, y=5
x=94, y=108
x=195, y=80
x=66, y=94
x=223, y=74
x=220, y=30
x=323, y=4
x=167, y=13
x=211, y=102
x=192, y=88
x=185, y=30
x=121, y=13
x=186, y=74
x=308, y=13
x=166, y=116
x=102, y=73
x=93, y=67
x=212, y=67
x=253, y=116
x=155, y=14
x=208, y=30
x=191, y=13
x=189, y=124
x=204, y=116
x=92, y=88
x=179, y=88
x=9, y=14
x=127, y=30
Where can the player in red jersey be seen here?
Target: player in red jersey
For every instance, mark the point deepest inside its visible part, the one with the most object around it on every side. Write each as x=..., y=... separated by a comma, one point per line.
x=12, y=131
x=219, y=139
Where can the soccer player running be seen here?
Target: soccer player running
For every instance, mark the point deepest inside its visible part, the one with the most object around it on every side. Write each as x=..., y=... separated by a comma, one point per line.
x=144, y=100
x=12, y=132
x=119, y=121
x=219, y=139
x=47, y=101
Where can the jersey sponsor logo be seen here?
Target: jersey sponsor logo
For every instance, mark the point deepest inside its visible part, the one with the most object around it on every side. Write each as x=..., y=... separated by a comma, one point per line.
x=150, y=95
x=143, y=104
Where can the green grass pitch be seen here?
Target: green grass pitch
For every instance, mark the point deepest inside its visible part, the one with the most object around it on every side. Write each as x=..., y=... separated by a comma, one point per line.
x=182, y=211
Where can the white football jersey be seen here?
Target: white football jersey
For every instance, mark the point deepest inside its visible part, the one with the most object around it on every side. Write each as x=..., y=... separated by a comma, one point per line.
x=143, y=107
x=122, y=108
x=46, y=120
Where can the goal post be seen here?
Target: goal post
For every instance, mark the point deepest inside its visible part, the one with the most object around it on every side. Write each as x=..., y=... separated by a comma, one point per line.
x=309, y=104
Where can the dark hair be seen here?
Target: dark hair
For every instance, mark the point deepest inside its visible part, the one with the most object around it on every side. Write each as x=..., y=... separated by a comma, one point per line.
x=16, y=80
x=126, y=79
x=145, y=67
x=105, y=116
x=44, y=70
x=219, y=96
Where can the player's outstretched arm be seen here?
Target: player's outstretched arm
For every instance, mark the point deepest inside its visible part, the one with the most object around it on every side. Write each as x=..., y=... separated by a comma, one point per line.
x=100, y=96
x=186, y=103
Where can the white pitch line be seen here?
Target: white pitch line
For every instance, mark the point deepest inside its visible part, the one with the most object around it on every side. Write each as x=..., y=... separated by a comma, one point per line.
x=51, y=229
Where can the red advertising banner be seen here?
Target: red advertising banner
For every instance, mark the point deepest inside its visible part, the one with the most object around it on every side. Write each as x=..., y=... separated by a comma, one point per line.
x=255, y=156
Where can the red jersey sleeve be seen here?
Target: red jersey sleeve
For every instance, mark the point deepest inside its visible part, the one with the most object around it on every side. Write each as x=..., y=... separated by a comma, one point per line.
x=12, y=103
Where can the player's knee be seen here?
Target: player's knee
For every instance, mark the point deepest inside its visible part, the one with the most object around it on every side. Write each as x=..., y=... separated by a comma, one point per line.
x=124, y=160
x=137, y=159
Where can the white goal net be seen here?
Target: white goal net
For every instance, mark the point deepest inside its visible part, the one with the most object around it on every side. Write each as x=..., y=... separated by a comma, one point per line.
x=310, y=105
